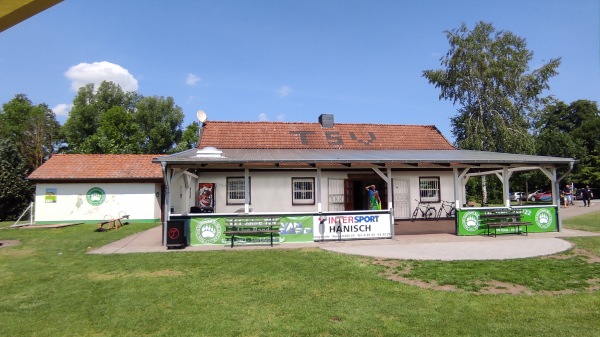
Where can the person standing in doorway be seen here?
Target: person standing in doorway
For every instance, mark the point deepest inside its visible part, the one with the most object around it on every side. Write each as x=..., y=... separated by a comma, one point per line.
x=586, y=195
x=374, y=200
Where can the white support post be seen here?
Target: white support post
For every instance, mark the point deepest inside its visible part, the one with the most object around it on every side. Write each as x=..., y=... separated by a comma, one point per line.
x=246, y=191
x=390, y=203
x=389, y=189
x=506, y=186
x=167, y=205
x=319, y=191
x=463, y=178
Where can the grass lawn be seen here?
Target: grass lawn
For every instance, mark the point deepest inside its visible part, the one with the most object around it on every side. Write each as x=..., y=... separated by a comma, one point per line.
x=51, y=287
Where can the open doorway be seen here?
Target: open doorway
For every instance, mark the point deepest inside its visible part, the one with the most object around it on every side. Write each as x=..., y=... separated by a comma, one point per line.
x=357, y=196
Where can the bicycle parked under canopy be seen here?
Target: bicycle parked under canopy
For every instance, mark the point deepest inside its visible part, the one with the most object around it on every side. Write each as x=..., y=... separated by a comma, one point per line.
x=425, y=209
x=448, y=208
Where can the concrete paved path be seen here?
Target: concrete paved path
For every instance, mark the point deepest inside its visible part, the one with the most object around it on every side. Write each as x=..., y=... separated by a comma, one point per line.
x=418, y=247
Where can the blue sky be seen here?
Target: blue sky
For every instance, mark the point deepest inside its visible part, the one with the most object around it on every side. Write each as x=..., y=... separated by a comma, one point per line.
x=285, y=60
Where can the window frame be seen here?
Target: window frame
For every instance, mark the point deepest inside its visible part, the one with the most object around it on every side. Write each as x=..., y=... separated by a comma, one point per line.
x=302, y=202
x=230, y=201
x=438, y=190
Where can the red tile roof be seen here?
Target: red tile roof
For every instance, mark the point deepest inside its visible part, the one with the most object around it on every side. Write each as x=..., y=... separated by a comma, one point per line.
x=94, y=167
x=285, y=135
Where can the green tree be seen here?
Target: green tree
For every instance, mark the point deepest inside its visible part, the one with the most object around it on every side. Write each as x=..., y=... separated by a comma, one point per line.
x=586, y=120
x=189, y=140
x=80, y=129
x=553, y=131
x=571, y=131
x=33, y=128
x=15, y=191
x=486, y=73
x=160, y=121
x=116, y=134
x=109, y=120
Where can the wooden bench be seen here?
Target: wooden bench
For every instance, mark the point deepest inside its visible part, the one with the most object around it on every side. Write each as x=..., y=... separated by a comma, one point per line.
x=243, y=226
x=504, y=219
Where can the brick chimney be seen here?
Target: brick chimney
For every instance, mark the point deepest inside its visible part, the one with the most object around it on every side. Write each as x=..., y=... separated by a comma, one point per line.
x=326, y=120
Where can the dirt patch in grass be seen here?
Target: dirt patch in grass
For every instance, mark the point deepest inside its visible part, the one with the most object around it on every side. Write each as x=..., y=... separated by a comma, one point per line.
x=398, y=271
x=8, y=243
x=591, y=258
x=497, y=287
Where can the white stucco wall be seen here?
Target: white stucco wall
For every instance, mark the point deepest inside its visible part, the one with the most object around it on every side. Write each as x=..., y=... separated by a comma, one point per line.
x=271, y=191
x=446, y=185
x=183, y=193
x=141, y=201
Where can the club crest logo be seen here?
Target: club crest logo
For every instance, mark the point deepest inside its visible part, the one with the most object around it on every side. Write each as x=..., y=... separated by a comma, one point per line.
x=543, y=218
x=208, y=231
x=95, y=196
x=470, y=221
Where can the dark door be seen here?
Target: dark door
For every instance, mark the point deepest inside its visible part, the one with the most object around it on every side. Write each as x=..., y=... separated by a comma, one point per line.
x=348, y=195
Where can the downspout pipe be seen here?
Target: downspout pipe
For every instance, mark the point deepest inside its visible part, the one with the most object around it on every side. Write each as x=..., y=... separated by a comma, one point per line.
x=167, y=196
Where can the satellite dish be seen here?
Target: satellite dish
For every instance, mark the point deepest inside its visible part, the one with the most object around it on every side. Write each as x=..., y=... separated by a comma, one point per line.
x=201, y=115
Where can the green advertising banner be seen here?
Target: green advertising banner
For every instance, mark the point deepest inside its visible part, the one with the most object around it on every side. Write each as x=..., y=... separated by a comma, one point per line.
x=210, y=231
x=206, y=231
x=294, y=229
x=543, y=219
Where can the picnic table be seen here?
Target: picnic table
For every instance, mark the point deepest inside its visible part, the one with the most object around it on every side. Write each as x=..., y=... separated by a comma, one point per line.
x=504, y=219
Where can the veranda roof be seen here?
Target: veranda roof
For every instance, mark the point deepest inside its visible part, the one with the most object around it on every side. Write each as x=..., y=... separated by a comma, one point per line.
x=349, y=158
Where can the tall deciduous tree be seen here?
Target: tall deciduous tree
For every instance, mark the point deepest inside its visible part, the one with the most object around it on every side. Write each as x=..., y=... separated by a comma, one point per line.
x=486, y=73
x=553, y=130
x=160, y=120
x=109, y=120
x=189, y=140
x=89, y=106
x=571, y=131
x=116, y=134
x=15, y=191
x=33, y=128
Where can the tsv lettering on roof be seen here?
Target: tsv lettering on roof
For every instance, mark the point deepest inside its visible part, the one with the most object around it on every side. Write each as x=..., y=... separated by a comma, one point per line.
x=335, y=138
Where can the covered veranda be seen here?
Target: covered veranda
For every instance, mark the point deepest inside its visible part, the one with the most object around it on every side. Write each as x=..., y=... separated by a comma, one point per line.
x=463, y=164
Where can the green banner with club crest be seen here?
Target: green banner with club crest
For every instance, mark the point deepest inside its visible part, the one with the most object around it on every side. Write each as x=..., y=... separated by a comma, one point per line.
x=542, y=219
x=211, y=230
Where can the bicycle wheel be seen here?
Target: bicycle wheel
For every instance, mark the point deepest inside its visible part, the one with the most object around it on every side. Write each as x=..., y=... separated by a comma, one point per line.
x=430, y=213
x=452, y=212
x=415, y=213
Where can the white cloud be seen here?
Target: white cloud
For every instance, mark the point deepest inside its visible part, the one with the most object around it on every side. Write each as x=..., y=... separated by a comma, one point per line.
x=96, y=72
x=264, y=118
x=284, y=91
x=62, y=109
x=191, y=79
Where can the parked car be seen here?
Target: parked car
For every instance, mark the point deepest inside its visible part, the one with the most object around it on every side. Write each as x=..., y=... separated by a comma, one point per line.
x=595, y=194
x=531, y=196
x=516, y=196
x=544, y=196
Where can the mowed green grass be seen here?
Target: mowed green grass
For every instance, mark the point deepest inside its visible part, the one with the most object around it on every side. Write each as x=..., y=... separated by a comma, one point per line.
x=49, y=286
